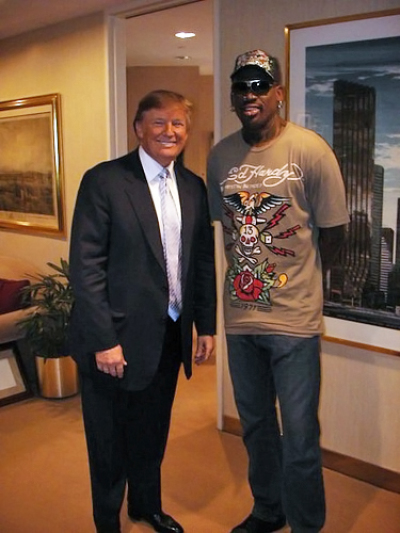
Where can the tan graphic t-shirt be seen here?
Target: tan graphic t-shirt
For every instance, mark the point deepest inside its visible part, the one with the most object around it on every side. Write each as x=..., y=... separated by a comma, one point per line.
x=271, y=201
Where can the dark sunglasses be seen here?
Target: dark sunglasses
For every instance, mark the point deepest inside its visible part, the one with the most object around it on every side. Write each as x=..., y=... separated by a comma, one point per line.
x=259, y=87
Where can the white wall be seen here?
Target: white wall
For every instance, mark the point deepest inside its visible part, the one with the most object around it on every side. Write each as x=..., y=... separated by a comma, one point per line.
x=360, y=403
x=361, y=389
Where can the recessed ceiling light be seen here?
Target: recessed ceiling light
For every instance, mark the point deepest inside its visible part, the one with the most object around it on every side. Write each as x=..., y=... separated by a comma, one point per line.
x=185, y=34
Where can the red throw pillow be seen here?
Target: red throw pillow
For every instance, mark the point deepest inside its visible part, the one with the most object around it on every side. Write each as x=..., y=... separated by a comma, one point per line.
x=10, y=294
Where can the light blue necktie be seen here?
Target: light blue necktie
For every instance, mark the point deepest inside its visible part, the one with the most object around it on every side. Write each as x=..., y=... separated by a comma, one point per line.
x=171, y=239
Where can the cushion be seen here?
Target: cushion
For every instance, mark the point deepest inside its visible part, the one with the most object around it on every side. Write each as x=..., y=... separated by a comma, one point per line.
x=11, y=297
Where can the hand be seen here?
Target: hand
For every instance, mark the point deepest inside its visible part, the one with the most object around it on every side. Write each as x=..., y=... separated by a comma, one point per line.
x=205, y=346
x=111, y=361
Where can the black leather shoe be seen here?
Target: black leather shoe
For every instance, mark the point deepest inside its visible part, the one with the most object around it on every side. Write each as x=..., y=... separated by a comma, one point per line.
x=108, y=529
x=160, y=522
x=252, y=524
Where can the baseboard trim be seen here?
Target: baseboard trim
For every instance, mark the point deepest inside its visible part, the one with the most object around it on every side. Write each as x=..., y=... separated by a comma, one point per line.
x=367, y=472
x=349, y=466
x=231, y=425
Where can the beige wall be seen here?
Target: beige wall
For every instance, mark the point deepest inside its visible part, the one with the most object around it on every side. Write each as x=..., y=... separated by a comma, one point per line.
x=187, y=81
x=361, y=389
x=69, y=59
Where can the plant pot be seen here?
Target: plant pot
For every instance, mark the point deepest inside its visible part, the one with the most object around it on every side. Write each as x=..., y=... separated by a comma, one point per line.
x=58, y=377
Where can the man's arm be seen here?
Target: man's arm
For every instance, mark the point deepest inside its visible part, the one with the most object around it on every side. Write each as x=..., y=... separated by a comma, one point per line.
x=204, y=275
x=88, y=265
x=330, y=242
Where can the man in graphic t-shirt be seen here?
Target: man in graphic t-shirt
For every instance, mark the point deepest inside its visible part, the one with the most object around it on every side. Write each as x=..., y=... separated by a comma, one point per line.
x=277, y=190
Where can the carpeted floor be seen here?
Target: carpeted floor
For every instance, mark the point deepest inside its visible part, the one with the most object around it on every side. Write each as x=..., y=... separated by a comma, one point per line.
x=44, y=480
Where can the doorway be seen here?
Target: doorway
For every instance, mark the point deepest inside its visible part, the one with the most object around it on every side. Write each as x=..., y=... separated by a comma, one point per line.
x=124, y=54
x=146, y=55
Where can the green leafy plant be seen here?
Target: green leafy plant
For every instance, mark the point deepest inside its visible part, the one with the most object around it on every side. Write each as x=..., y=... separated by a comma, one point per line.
x=51, y=296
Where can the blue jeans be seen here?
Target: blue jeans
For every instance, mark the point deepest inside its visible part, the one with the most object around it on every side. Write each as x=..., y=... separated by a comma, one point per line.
x=285, y=471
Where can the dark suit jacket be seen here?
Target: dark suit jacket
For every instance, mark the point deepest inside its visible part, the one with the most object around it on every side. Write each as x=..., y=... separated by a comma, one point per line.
x=118, y=271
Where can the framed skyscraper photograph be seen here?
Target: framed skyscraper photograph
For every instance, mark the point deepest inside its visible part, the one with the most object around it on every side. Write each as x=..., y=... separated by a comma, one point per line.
x=343, y=81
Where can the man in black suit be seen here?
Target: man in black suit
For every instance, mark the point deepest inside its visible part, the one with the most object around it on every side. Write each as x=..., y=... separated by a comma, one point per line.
x=135, y=305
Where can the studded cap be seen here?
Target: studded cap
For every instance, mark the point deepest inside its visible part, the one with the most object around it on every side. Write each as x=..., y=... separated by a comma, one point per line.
x=258, y=58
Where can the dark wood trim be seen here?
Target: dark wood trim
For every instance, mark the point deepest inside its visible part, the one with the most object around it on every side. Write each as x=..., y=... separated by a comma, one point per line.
x=367, y=472
x=361, y=346
x=349, y=466
x=231, y=425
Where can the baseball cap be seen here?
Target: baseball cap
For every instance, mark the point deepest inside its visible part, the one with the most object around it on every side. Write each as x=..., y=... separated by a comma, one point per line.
x=258, y=58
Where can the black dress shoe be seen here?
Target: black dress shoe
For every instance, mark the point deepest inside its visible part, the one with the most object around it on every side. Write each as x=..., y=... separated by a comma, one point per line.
x=160, y=522
x=108, y=529
x=252, y=524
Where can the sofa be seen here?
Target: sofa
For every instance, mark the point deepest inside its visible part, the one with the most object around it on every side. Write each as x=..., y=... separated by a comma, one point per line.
x=14, y=275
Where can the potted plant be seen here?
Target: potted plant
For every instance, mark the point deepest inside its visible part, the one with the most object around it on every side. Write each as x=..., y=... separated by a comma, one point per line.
x=46, y=331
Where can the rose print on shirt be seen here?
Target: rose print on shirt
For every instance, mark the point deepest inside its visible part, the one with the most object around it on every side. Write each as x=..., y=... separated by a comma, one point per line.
x=254, y=285
x=247, y=287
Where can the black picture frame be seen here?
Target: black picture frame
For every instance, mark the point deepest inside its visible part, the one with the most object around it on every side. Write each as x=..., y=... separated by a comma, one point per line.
x=13, y=382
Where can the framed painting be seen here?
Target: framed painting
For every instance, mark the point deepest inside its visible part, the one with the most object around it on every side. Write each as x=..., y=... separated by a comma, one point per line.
x=13, y=385
x=31, y=165
x=343, y=81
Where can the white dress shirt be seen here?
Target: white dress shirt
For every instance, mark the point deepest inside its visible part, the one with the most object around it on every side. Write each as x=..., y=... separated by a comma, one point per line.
x=152, y=171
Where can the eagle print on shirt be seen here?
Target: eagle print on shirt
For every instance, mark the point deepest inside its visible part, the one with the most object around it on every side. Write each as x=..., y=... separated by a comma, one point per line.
x=252, y=234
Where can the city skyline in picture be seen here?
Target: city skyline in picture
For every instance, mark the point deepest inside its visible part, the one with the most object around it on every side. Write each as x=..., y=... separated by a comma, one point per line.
x=373, y=63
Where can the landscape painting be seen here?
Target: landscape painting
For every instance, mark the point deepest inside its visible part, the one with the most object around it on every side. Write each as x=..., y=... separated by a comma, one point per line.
x=30, y=165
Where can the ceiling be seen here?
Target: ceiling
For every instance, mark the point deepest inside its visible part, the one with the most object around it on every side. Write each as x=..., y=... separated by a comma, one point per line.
x=150, y=38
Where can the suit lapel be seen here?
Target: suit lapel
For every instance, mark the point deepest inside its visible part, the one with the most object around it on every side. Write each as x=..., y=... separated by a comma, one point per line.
x=138, y=192
x=141, y=200
x=188, y=217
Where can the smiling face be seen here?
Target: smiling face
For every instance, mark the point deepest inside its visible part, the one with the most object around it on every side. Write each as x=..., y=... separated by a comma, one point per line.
x=257, y=110
x=163, y=132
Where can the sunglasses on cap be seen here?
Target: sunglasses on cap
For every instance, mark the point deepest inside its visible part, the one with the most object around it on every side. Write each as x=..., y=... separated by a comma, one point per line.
x=259, y=87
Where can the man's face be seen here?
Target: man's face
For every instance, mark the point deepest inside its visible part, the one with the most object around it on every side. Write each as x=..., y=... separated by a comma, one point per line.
x=256, y=109
x=163, y=132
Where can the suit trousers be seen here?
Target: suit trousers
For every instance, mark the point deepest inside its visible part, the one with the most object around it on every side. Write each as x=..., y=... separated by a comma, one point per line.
x=126, y=435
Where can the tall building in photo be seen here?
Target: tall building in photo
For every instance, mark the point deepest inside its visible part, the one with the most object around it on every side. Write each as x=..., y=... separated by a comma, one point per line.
x=387, y=267
x=390, y=280
x=393, y=297
x=386, y=281
x=397, y=260
x=388, y=237
x=376, y=227
x=353, y=143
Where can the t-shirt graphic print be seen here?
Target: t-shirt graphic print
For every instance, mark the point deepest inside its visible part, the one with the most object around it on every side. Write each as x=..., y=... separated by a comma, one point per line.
x=255, y=227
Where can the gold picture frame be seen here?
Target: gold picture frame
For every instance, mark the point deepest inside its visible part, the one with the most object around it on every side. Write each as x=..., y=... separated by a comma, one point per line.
x=31, y=166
